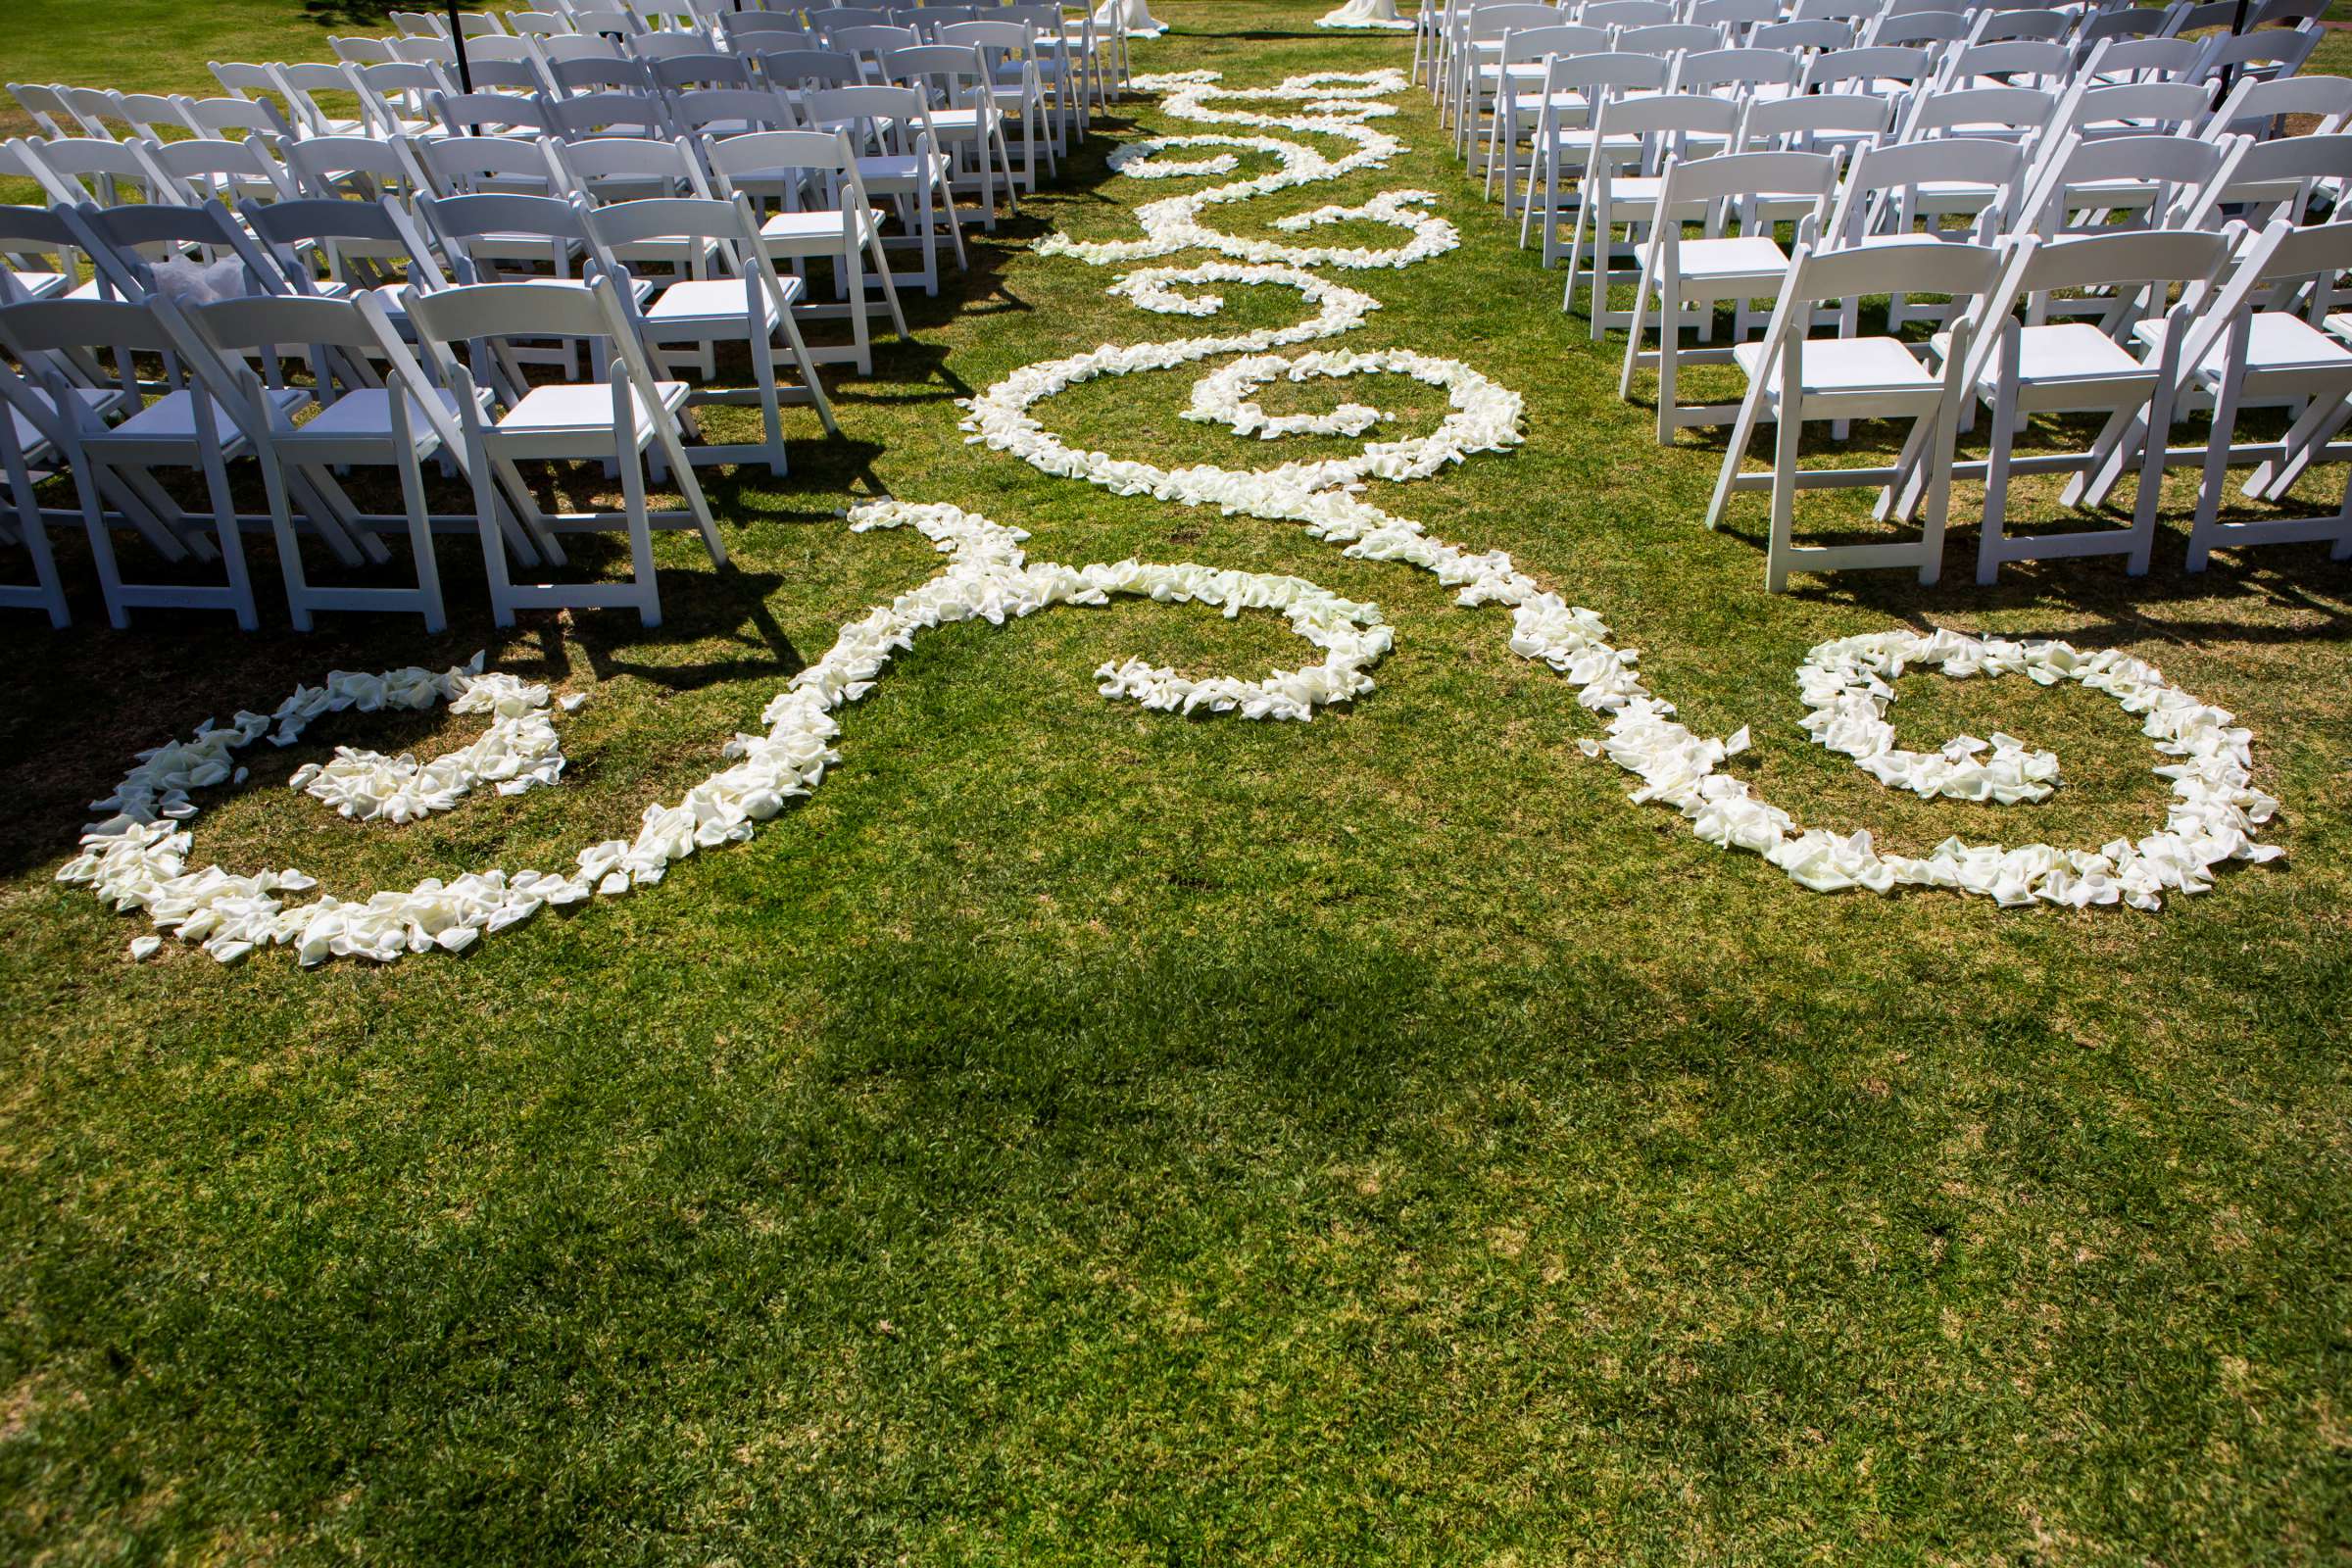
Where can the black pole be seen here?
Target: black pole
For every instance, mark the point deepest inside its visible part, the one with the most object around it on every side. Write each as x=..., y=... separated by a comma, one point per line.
x=457, y=37
x=2238, y=28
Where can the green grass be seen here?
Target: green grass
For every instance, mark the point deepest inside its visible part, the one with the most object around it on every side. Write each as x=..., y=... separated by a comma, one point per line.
x=1083, y=1135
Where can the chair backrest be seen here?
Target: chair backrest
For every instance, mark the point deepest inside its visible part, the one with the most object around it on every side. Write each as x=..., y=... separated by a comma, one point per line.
x=1490, y=23
x=601, y=72
x=2138, y=108
x=732, y=110
x=234, y=117
x=425, y=51
x=1868, y=65
x=1799, y=125
x=2019, y=62
x=1736, y=14
x=653, y=46
x=79, y=167
x=611, y=168
x=2123, y=22
x=274, y=329
x=1601, y=74
x=459, y=223
x=2141, y=60
x=46, y=104
x=580, y=46
x=1668, y=116
x=301, y=86
x=2264, y=167
x=1523, y=44
x=326, y=165
x=792, y=69
x=681, y=72
x=1738, y=174
x=2047, y=27
x=884, y=113
x=2275, y=51
x=123, y=243
x=1921, y=28
x=1807, y=35
x=2193, y=257
x=418, y=24
x=501, y=76
x=1907, y=166
x=39, y=235
x=343, y=232
x=1917, y=265
x=1625, y=13
x=608, y=113
x=243, y=167
x=748, y=31
x=96, y=111
x=472, y=115
x=1740, y=67
x=538, y=24
x=2254, y=101
x=957, y=74
x=456, y=166
x=1980, y=111
x=766, y=156
x=2176, y=167
x=1669, y=38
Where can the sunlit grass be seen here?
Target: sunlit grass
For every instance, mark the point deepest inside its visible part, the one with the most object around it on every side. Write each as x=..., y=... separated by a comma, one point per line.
x=1086, y=1135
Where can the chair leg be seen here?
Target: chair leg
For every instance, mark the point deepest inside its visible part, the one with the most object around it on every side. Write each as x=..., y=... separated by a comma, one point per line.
x=1785, y=437
x=2150, y=499
x=2207, y=530
x=420, y=522
x=224, y=514
x=1743, y=431
x=632, y=490
x=290, y=548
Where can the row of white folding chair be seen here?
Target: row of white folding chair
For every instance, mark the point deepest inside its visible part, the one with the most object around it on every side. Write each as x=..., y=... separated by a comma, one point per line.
x=215, y=411
x=2169, y=182
x=2138, y=368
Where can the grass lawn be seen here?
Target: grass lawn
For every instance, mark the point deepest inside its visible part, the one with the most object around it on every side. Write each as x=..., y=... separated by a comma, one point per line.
x=1086, y=1135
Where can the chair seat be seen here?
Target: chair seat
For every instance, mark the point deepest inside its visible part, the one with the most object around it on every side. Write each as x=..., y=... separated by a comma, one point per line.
x=171, y=417
x=2280, y=344
x=893, y=170
x=41, y=285
x=702, y=303
x=815, y=234
x=584, y=409
x=364, y=414
x=2062, y=354
x=99, y=401
x=1743, y=256
x=1944, y=191
x=1846, y=364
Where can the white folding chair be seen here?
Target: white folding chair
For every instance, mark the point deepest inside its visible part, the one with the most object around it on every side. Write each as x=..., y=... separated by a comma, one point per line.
x=397, y=422
x=965, y=119
x=2238, y=353
x=185, y=428
x=750, y=304
x=840, y=225
x=1516, y=101
x=622, y=422
x=2017, y=370
x=1008, y=60
x=899, y=161
x=1662, y=127
x=1569, y=89
x=1793, y=380
x=1688, y=278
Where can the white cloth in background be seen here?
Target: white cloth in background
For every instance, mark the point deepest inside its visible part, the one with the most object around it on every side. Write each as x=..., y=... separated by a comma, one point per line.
x=1136, y=13
x=1368, y=15
x=187, y=282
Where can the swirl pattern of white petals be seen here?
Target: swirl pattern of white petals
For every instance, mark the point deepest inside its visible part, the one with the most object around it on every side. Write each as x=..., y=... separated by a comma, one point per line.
x=1339, y=104
x=137, y=858
x=1846, y=684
